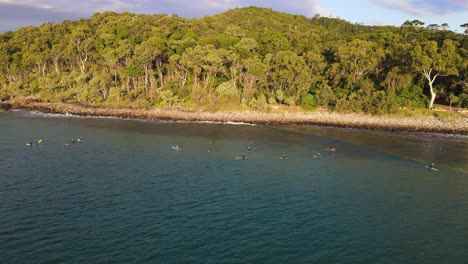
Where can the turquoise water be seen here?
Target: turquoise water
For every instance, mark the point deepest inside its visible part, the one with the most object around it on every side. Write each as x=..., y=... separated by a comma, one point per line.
x=124, y=196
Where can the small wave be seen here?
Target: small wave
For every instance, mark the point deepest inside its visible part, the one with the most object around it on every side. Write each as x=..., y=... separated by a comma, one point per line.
x=239, y=123
x=38, y=113
x=200, y=122
x=220, y=122
x=155, y=120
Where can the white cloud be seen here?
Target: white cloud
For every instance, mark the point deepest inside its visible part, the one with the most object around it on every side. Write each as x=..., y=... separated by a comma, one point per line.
x=191, y=8
x=314, y=7
x=29, y=3
x=197, y=8
x=92, y=6
x=425, y=8
x=403, y=5
x=77, y=7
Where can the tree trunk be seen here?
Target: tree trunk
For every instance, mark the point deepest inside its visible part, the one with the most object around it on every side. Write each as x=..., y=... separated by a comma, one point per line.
x=182, y=73
x=427, y=74
x=43, y=67
x=56, y=65
x=160, y=75
x=82, y=66
x=128, y=85
x=146, y=77
x=433, y=94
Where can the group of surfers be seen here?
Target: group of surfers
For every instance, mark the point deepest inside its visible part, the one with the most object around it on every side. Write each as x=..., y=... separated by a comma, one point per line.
x=249, y=149
x=73, y=141
x=243, y=156
x=29, y=144
x=39, y=141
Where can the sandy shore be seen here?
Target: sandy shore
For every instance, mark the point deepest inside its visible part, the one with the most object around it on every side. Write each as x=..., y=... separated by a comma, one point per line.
x=388, y=123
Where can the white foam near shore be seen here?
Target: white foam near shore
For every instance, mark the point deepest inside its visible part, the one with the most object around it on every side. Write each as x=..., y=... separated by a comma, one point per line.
x=69, y=115
x=141, y=119
x=390, y=123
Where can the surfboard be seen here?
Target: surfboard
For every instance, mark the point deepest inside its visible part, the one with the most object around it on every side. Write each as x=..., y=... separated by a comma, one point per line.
x=284, y=158
x=174, y=148
x=240, y=158
x=434, y=169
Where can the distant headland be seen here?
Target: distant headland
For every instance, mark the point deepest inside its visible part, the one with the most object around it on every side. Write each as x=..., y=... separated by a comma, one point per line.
x=249, y=64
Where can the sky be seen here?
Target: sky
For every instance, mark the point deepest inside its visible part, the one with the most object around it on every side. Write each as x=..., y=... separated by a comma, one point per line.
x=18, y=13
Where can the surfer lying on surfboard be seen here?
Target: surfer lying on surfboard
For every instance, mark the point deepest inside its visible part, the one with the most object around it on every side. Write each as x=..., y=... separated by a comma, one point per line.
x=431, y=167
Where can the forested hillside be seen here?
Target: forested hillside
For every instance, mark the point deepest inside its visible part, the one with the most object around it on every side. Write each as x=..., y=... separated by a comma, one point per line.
x=244, y=58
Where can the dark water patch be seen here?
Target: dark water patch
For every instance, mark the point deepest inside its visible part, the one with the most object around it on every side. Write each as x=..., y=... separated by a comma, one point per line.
x=446, y=151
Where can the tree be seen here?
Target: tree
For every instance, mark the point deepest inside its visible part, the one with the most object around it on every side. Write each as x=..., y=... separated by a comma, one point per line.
x=432, y=62
x=149, y=53
x=359, y=58
x=316, y=62
x=417, y=23
x=413, y=23
x=253, y=72
x=396, y=80
x=465, y=26
x=407, y=23
x=453, y=99
x=82, y=45
x=245, y=47
x=205, y=62
x=433, y=27
x=290, y=74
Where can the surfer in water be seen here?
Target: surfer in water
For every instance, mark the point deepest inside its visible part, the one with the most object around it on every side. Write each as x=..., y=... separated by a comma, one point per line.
x=333, y=149
x=211, y=142
x=249, y=149
x=243, y=156
x=176, y=147
x=284, y=157
x=431, y=167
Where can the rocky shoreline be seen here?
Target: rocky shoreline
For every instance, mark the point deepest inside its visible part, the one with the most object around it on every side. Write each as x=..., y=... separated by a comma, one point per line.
x=433, y=124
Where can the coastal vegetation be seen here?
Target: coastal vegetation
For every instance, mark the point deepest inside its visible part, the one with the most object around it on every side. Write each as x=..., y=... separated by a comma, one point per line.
x=244, y=59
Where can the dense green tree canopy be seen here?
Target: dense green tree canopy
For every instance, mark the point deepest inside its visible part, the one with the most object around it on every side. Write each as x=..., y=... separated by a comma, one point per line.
x=253, y=57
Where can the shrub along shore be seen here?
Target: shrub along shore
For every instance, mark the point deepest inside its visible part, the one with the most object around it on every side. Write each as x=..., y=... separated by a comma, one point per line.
x=420, y=123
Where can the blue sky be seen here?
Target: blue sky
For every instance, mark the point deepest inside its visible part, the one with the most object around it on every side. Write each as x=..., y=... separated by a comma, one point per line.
x=18, y=13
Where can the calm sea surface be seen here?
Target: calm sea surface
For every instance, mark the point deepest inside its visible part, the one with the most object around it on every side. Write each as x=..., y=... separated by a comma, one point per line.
x=124, y=196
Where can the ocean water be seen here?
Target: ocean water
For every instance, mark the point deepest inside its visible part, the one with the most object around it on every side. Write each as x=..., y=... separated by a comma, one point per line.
x=124, y=196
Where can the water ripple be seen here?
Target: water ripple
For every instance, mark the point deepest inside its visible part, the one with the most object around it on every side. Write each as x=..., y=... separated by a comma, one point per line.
x=125, y=197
